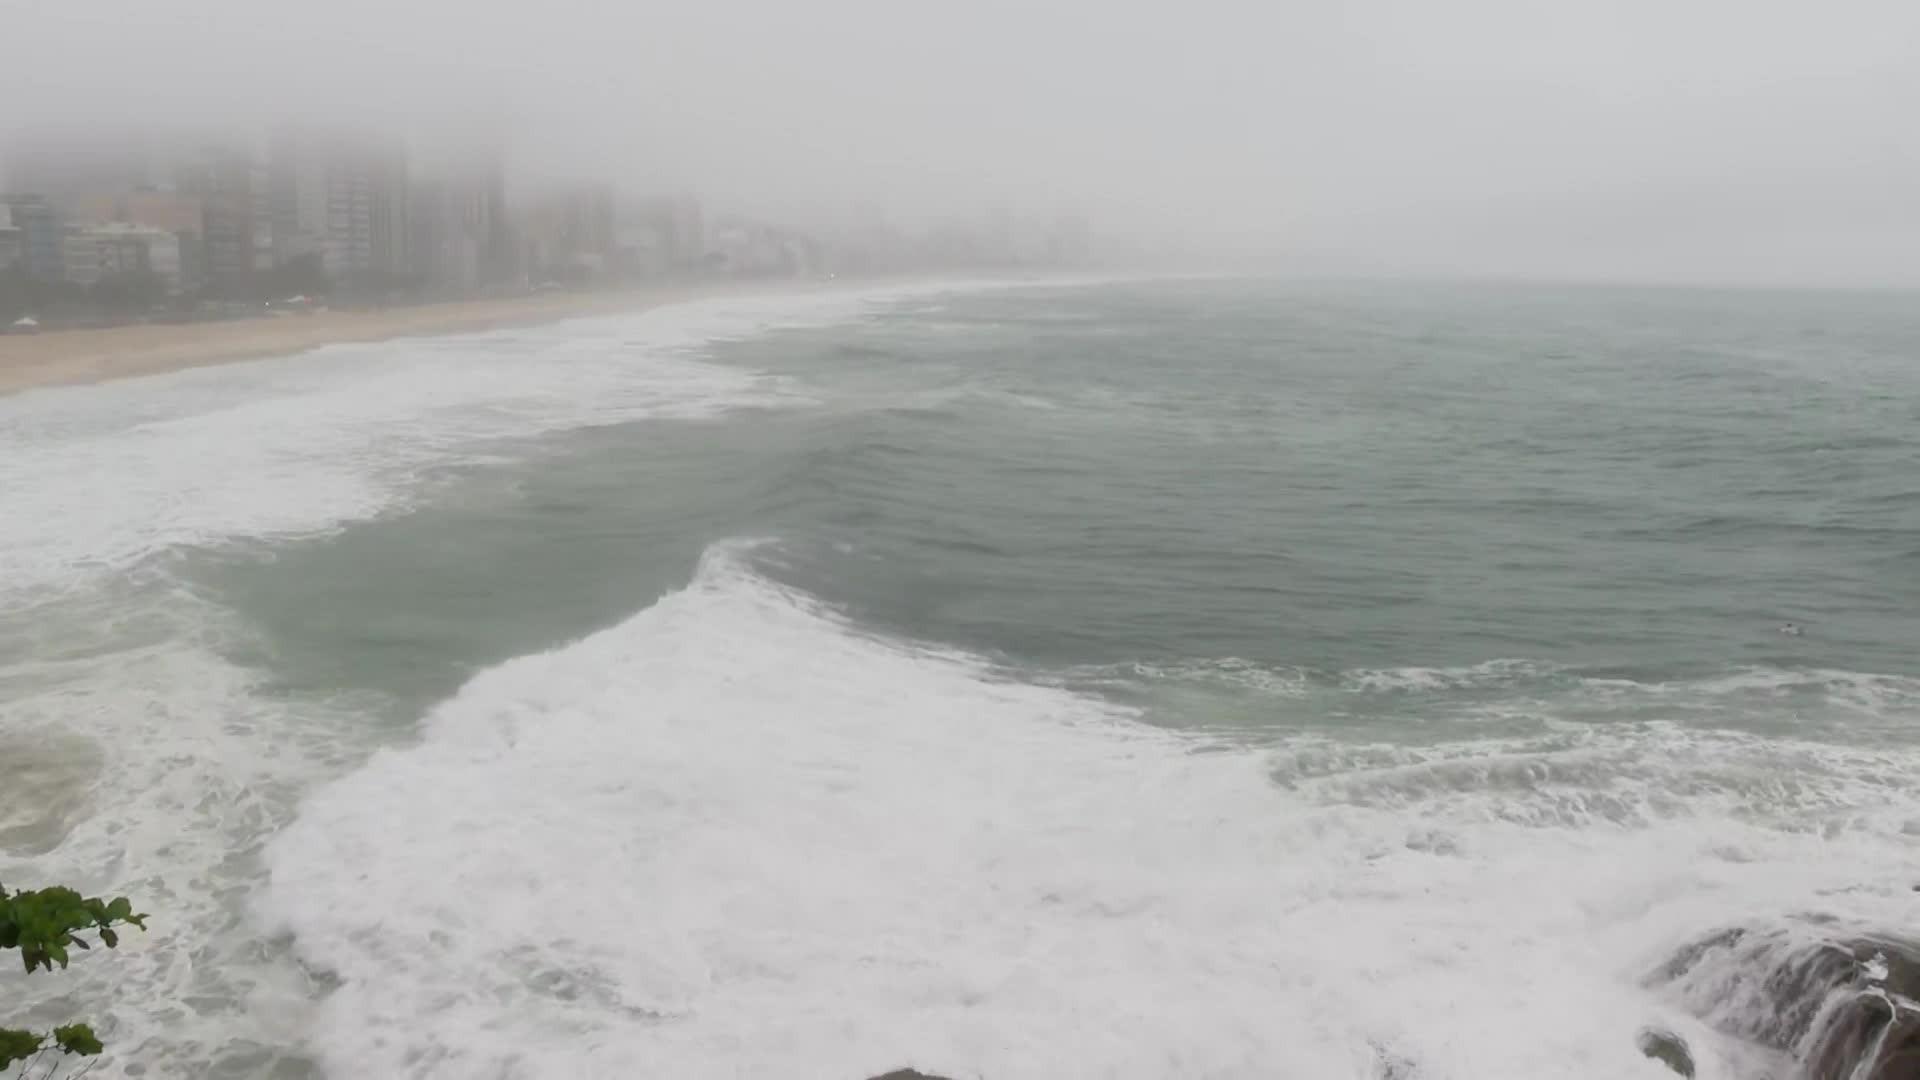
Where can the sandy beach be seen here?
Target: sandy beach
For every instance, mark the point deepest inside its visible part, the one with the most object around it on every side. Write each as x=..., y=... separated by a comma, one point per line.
x=65, y=357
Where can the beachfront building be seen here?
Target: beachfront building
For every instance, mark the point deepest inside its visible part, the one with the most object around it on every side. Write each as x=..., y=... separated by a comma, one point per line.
x=165, y=256
x=343, y=196
x=260, y=182
x=83, y=258
x=440, y=256
x=452, y=237
x=569, y=231
x=87, y=257
x=42, y=236
x=12, y=246
x=642, y=249
x=686, y=235
x=177, y=256
x=220, y=178
x=469, y=233
x=458, y=230
x=659, y=236
x=743, y=248
x=93, y=252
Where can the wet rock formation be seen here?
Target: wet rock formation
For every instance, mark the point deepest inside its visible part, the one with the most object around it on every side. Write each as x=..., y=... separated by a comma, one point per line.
x=1843, y=1006
x=1668, y=1049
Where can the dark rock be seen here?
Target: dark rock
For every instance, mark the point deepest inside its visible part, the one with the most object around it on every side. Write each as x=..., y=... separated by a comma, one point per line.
x=1871, y=1028
x=1668, y=1049
x=1845, y=1007
x=908, y=1074
x=1688, y=956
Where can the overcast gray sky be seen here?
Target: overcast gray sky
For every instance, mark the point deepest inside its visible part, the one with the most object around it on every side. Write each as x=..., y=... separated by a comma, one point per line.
x=1745, y=140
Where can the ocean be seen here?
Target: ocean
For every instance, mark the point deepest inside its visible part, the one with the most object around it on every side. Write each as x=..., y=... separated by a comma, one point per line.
x=1106, y=678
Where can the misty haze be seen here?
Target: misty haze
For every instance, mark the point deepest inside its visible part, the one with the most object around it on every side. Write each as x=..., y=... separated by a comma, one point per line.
x=933, y=541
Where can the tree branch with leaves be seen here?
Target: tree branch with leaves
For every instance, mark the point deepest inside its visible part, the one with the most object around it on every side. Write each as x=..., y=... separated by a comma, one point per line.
x=44, y=924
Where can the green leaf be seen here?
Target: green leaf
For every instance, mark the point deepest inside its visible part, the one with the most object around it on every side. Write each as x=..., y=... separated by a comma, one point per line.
x=17, y=1045
x=42, y=925
x=77, y=1039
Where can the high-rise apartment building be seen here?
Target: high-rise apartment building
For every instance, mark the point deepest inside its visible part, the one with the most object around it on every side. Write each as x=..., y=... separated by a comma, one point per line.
x=42, y=237
x=570, y=229
x=343, y=196
x=221, y=179
x=12, y=243
x=459, y=238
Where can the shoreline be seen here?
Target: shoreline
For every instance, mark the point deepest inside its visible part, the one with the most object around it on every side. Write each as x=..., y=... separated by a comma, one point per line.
x=77, y=357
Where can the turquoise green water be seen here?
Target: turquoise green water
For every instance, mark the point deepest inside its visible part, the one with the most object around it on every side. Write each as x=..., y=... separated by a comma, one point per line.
x=984, y=669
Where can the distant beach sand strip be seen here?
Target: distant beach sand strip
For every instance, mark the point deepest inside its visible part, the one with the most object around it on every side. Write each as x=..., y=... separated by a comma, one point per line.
x=66, y=357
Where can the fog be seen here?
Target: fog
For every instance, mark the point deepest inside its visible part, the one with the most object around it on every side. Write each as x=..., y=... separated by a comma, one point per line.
x=1687, y=140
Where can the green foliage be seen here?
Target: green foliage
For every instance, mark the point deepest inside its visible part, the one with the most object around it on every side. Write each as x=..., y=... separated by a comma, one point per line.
x=16, y=1045
x=43, y=924
x=76, y=1039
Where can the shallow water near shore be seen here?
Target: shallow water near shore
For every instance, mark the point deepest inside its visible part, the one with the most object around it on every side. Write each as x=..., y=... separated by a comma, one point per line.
x=1136, y=679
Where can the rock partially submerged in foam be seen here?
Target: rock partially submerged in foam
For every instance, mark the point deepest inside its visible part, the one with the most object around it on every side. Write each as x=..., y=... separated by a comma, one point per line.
x=1668, y=1049
x=908, y=1074
x=1843, y=1007
x=1873, y=1033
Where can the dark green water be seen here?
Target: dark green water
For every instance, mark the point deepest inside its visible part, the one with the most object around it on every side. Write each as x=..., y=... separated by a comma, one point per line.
x=1467, y=592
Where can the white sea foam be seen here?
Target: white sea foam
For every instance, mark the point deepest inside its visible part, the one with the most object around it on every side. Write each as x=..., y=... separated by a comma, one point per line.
x=1514, y=695
x=738, y=836
x=1416, y=679
x=102, y=477
x=133, y=756
x=134, y=759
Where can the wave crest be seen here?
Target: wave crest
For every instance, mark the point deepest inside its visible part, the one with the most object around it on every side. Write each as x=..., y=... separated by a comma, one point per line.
x=738, y=835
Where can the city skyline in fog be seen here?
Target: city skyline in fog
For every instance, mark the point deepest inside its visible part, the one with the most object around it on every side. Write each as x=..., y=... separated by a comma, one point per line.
x=1704, y=141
